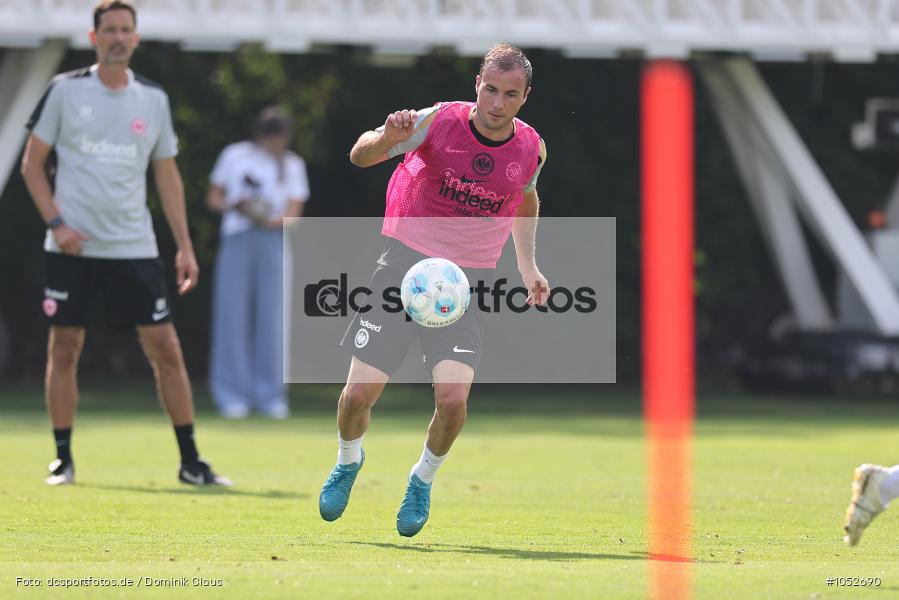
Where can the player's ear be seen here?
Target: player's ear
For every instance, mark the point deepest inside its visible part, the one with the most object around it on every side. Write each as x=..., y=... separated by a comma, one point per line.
x=477, y=83
x=136, y=39
x=527, y=92
x=92, y=36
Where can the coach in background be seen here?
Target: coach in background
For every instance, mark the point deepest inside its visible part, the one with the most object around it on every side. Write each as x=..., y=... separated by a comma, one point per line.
x=255, y=185
x=106, y=125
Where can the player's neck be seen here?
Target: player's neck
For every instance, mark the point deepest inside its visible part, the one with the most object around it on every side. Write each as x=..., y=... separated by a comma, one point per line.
x=495, y=135
x=114, y=77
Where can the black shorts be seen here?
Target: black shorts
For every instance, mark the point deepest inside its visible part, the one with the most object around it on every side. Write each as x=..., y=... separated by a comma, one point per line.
x=133, y=291
x=381, y=335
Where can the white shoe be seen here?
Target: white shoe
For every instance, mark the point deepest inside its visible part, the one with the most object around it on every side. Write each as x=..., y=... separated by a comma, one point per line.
x=865, y=503
x=61, y=474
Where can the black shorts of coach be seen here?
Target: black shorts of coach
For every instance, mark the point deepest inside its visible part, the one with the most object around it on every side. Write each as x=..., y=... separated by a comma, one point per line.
x=133, y=291
x=381, y=335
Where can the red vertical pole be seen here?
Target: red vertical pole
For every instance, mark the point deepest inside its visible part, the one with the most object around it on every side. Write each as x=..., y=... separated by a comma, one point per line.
x=668, y=332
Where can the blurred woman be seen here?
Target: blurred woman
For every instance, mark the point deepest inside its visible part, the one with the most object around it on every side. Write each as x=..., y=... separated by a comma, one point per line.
x=255, y=185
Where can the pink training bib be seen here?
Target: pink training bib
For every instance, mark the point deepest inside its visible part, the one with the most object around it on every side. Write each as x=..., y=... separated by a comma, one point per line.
x=454, y=197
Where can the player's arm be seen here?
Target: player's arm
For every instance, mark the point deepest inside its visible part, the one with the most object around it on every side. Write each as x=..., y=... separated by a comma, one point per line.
x=33, y=170
x=171, y=196
x=372, y=147
x=524, y=231
x=403, y=131
x=524, y=235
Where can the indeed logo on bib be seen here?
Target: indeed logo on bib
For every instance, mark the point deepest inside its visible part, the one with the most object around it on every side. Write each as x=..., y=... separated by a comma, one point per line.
x=466, y=194
x=104, y=149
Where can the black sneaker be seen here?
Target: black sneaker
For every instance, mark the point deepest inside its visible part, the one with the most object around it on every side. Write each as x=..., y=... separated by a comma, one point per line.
x=61, y=473
x=200, y=473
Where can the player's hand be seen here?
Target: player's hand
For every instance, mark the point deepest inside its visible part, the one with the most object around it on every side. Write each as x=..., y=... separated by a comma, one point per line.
x=69, y=240
x=537, y=286
x=187, y=272
x=399, y=126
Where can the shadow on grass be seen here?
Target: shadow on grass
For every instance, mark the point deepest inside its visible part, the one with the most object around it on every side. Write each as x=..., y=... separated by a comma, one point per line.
x=199, y=491
x=514, y=553
x=670, y=558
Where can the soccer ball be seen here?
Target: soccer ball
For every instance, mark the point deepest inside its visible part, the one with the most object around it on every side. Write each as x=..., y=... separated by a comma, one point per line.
x=435, y=292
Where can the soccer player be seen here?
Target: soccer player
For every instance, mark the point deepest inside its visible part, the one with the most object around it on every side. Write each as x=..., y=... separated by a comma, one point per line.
x=873, y=488
x=106, y=124
x=462, y=159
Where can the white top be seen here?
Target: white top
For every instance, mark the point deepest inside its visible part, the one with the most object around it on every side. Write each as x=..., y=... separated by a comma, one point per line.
x=245, y=171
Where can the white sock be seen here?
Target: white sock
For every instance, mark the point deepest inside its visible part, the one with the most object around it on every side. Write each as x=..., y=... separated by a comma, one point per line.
x=889, y=487
x=349, y=451
x=427, y=465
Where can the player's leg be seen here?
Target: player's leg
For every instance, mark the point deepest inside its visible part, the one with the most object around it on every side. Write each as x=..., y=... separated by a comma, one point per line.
x=363, y=387
x=873, y=488
x=380, y=341
x=70, y=288
x=163, y=350
x=269, y=390
x=452, y=384
x=61, y=391
x=230, y=369
x=135, y=295
x=63, y=351
x=453, y=354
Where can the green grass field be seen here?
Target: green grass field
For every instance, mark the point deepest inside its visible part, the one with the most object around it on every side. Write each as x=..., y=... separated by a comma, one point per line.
x=543, y=497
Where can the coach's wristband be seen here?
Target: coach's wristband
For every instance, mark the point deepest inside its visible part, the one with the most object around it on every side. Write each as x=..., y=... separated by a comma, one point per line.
x=55, y=222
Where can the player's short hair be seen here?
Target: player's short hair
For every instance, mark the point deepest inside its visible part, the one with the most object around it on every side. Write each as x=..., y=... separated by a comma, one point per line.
x=107, y=5
x=506, y=57
x=273, y=120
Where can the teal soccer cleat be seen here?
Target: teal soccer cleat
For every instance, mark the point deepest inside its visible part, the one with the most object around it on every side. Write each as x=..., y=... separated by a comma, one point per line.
x=336, y=491
x=415, y=507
